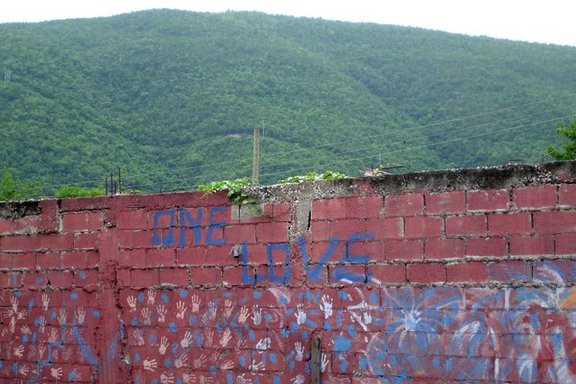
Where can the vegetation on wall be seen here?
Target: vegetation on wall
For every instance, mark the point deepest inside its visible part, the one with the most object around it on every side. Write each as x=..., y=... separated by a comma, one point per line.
x=173, y=97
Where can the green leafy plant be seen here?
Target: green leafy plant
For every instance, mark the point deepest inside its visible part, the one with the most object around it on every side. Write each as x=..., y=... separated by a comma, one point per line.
x=568, y=151
x=234, y=188
x=314, y=176
x=14, y=189
x=77, y=191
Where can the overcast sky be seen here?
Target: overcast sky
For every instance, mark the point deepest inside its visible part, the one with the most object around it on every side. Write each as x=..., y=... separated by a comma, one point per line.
x=550, y=21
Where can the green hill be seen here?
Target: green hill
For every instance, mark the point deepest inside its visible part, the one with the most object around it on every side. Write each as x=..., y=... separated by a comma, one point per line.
x=172, y=97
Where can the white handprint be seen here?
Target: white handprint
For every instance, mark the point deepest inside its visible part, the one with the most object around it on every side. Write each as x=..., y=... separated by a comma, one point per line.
x=53, y=335
x=257, y=315
x=163, y=345
x=263, y=344
x=56, y=373
x=299, y=348
x=324, y=362
x=161, y=309
x=45, y=301
x=200, y=361
x=208, y=338
x=181, y=360
x=195, y=304
x=24, y=370
x=19, y=352
x=226, y=336
x=150, y=365
x=298, y=379
x=139, y=337
x=243, y=380
x=41, y=324
x=326, y=306
x=25, y=329
x=186, y=340
x=228, y=308
x=181, y=308
x=243, y=315
x=227, y=365
x=146, y=316
x=12, y=325
x=131, y=300
x=300, y=314
x=151, y=297
x=14, y=302
x=167, y=378
x=80, y=315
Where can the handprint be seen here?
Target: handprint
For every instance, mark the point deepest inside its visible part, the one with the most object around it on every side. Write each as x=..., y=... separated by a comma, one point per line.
x=200, y=361
x=205, y=380
x=195, y=304
x=41, y=324
x=68, y=352
x=326, y=306
x=161, y=309
x=146, y=316
x=25, y=329
x=151, y=297
x=53, y=335
x=324, y=362
x=131, y=300
x=226, y=336
x=257, y=315
x=187, y=379
x=227, y=365
x=56, y=373
x=14, y=302
x=139, y=337
x=181, y=360
x=208, y=337
x=298, y=379
x=263, y=344
x=299, y=348
x=80, y=315
x=243, y=380
x=19, y=352
x=228, y=308
x=12, y=325
x=243, y=315
x=300, y=314
x=62, y=316
x=163, y=345
x=167, y=378
x=41, y=350
x=210, y=315
x=24, y=370
x=45, y=301
x=186, y=340
x=254, y=366
x=150, y=365
x=181, y=307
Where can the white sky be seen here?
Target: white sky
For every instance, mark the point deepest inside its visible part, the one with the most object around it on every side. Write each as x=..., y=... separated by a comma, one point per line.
x=550, y=21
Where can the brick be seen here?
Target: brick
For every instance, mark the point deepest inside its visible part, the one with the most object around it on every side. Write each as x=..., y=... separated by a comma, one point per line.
x=566, y=244
x=48, y=260
x=178, y=277
x=329, y=209
x=404, y=250
x=83, y=278
x=490, y=201
x=535, y=197
x=161, y=257
x=144, y=278
x=487, y=247
x=362, y=207
x=272, y=232
x=206, y=276
x=320, y=230
x=555, y=271
x=531, y=245
x=19, y=243
x=63, y=279
x=388, y=228
x=425, y=273
x=5, y=226
x=240, y=233
x=510, y=271
x=467, y=272
x=55, y=242
x=445, y=202
x=232, y=276
x=509, y=223
x=82, y=222
x=20, y=260
x=388, y=274
x=86, y=240
x=466, y=225
x=443, y=248
x=567, y=196
x=404, y=205
x=139, y=239
x=555, y=222
x=12, y=280
x=422, y=227
x=133, y=219
x=343, y=228
x=132, y=258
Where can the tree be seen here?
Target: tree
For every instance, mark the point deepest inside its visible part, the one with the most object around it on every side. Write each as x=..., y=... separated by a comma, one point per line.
x=13, y=189
x=568, y=151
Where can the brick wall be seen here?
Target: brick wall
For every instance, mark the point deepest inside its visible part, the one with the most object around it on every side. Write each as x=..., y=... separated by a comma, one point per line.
x=462, y=276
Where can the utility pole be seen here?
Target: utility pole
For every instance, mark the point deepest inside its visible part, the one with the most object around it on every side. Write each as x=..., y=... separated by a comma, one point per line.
x=256, y=156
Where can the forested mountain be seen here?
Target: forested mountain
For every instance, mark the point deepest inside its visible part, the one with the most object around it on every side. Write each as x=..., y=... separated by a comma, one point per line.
x=172, y=97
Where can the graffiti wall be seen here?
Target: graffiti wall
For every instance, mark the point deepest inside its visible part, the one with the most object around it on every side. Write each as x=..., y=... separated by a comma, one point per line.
x=402, y=279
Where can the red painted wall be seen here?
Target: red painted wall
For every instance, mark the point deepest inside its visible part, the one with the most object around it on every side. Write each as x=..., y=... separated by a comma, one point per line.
x=463, y=276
